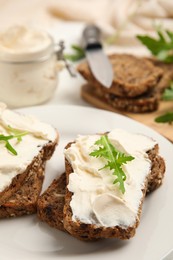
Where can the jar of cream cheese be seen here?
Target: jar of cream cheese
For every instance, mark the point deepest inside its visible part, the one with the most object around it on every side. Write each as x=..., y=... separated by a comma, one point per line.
x=28, y=67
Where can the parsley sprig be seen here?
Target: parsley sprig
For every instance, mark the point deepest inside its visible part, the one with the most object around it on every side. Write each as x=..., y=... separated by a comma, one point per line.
x=162, y=47
x=13, y=134
x=115, y=159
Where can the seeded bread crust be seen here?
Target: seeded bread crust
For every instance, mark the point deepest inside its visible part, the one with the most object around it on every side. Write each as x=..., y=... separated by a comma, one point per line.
x=52, y=204
x=132, y=76
x=20, y=197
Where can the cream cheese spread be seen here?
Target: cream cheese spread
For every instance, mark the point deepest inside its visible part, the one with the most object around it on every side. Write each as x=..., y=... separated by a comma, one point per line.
x=95, y=199
x=28, y=66
x=20, y=43
x=38, y=135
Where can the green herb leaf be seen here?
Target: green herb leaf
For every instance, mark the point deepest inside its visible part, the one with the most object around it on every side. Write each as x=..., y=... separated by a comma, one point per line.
x=168, y=93
x=78, y=53
x=162, y=47
x=10, y=148
x=115, y=159
x=17, y=134
x=166, y=118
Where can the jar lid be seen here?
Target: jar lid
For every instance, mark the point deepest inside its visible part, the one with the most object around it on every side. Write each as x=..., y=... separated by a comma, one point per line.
x=22, y=44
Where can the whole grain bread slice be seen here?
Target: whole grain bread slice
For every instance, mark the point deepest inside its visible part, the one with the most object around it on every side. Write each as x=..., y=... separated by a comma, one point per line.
x=84, y=231
x=133, y=76
x=20, y=197
x=51, y=204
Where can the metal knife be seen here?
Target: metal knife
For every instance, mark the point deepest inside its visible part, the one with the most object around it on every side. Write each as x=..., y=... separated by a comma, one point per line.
x=97, y=59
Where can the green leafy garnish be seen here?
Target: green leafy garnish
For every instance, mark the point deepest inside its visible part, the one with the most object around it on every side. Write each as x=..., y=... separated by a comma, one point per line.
x=14, y=134
x=167, y=96
x=115, y=159
x=77, y=55
x=166, y=118
x=162, y=47
x=168, y=93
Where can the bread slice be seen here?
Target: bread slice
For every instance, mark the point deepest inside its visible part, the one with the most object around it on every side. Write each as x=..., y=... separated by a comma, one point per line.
x=132, y=76
x=52, y=204
x=86, y=232
x=147, y=102
x=22, y=160
x=22, y=197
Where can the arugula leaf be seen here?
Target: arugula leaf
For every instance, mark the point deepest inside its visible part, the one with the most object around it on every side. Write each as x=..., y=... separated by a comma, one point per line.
x=167, y=96
x=162, y=47
x=166, y=118
x=168, y=93
x=115, y=159
x=77, y=55
x=17, y=134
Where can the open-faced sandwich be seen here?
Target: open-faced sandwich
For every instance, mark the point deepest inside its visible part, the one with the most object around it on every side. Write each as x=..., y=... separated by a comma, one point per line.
x=25, y=146
x=103, y=190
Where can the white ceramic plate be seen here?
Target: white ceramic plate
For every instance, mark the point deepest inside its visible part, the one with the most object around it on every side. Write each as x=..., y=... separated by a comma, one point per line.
x=26, y=238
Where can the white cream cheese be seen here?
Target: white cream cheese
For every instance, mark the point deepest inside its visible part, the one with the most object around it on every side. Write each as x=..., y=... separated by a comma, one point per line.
x=38, y=135
x=96, y=200
x=28, y=66
x=20, y=43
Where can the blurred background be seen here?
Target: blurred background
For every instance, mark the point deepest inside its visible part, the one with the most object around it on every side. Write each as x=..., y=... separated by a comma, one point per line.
x=120, y=20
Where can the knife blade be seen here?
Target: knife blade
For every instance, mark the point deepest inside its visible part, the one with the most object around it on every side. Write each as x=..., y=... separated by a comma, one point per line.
x=168, y=256
x=96, y=58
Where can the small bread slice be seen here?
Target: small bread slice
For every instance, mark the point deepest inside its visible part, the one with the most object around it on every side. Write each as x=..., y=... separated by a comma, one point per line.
x=51, y=204
x=24, y=195
x=86, y=232
x=133, y=76
x=22, y=160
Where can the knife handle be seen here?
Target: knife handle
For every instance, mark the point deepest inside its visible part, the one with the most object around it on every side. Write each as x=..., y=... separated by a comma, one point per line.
x=92, y=37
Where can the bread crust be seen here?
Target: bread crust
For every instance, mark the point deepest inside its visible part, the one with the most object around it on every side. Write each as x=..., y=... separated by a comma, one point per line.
x=133, y=76
x=20, y=197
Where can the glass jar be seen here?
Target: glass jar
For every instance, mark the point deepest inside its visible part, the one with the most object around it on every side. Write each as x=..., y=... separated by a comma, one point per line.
x=28, y=67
